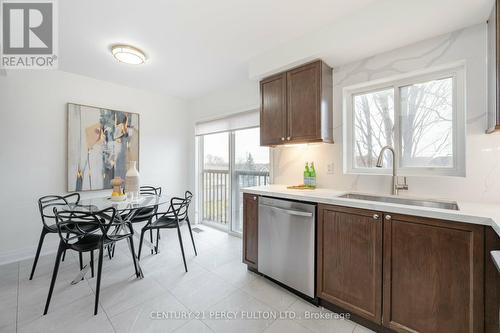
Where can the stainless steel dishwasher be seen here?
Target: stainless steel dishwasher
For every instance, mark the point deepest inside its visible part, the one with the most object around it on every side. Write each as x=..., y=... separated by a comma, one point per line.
x=286, y=243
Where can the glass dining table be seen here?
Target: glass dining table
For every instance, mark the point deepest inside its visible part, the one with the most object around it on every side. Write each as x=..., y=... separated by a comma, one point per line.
x=125, y=210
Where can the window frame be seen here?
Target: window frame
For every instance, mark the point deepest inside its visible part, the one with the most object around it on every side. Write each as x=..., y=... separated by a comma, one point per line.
x=456, y=71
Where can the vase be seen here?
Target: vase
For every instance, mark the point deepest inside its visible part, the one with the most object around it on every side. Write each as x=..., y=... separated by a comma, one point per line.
x=132, y=179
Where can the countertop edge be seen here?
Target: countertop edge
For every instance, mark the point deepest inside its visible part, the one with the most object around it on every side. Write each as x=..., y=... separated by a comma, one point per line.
x=495, y=255
x=334, y=199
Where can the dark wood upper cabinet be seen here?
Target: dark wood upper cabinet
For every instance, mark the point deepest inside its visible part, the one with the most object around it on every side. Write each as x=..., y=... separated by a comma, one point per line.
x=273, y=110
x=296, y=106
x=350, y=260
x=250, y=229
x=494, y=69
x=304, y=114
x=433, y=275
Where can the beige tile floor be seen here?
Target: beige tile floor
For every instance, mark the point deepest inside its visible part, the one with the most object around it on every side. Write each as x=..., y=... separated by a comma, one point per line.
x=218, y=294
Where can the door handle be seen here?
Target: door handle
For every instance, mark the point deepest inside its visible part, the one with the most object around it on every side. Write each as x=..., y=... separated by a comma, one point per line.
x=289, y=211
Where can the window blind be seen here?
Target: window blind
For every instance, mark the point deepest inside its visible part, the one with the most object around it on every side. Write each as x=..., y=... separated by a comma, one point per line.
x=237, y=121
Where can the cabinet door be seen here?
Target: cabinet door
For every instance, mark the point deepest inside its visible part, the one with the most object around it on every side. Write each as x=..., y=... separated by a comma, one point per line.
x=492, y=283
x=350, y=260
x=433, y=275
x=250, y=229
x=273, y=110
x=304, y=102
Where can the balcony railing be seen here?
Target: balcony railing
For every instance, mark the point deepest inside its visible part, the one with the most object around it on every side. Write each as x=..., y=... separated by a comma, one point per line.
x=216, y=192
x=215, y=195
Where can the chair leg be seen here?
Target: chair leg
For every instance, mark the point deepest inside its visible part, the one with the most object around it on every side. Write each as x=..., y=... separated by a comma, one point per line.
x=151, y=238
x=109, y=251
x=60, y=250
x=182, y=247
x=157, y=239
x=134, y=258
x=64, y=253
x=98, y=281
x=191, y=233
x=37, y=255
x=140, y=244
x=92, y=263
x=80, y=260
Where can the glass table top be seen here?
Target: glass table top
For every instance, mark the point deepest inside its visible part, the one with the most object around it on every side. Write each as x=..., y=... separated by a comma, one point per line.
x=100, y=203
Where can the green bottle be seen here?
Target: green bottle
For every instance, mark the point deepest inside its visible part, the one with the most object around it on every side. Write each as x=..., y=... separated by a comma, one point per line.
x=307, y=175
x=312, y=176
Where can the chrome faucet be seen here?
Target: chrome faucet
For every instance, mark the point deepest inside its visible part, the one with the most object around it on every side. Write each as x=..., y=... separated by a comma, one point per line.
x=396, y=187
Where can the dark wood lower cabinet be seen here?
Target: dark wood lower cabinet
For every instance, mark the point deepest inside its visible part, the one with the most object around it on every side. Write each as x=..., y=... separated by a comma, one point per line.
x=250, y=229
x=399, y=273
x=433, y=275
x=349, y=260
x=491, y=283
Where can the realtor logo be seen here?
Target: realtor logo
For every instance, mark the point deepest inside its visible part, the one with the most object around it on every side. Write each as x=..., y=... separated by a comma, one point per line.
x=28, y=34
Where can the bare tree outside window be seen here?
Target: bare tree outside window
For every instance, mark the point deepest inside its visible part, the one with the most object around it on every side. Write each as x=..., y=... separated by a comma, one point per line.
x=427, y=124
x=373, y=126
x=421, y=115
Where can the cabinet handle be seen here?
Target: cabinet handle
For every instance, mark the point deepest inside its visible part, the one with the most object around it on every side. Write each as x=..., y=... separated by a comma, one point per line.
x=388, y=217
x=288, y=138
x=254, y=198
x=282, y=139
x=375, y=216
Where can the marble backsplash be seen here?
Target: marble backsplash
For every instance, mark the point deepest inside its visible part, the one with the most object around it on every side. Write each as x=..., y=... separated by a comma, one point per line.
x=482, y=181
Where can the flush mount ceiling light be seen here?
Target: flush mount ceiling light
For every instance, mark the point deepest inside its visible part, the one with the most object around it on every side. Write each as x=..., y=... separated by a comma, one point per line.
x=128, y=54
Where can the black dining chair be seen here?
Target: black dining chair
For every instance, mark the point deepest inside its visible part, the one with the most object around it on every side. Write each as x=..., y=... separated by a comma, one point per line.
x=172, y=218
x=89, y=231
x=46, y=204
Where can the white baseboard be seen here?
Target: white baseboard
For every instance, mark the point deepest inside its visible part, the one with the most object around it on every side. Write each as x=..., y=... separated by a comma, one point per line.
x=49, y=247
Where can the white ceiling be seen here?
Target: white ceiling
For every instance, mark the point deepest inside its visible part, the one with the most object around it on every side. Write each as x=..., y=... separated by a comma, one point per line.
x=381, y=26
x=197, y=46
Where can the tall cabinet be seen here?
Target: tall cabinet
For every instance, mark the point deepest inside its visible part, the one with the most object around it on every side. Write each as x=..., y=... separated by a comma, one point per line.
x=494, y=69
x=296, y=105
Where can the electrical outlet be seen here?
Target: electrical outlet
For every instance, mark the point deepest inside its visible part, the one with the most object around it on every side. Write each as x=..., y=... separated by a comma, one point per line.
x=330, y=168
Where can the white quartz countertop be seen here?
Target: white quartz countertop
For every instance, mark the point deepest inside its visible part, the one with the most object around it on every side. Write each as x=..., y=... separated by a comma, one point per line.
x=469, y=212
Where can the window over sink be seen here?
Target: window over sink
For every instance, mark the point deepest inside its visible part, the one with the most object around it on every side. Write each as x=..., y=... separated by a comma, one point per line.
x=420, y=115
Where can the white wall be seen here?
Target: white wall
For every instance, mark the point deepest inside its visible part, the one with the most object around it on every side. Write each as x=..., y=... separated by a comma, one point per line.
x=483, y=151
x=33, y=145
x=239, y=97
x=381, y=26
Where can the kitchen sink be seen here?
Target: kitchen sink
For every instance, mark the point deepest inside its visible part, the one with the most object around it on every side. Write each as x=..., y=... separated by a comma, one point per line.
x=403, y=201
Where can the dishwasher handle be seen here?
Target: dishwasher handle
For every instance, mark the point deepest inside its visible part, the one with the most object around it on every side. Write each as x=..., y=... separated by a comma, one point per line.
x=289, y=211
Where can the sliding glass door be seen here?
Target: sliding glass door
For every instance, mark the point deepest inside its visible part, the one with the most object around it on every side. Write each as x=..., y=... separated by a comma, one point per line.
x=251, y=168
x=215, y=179
x=230, y=161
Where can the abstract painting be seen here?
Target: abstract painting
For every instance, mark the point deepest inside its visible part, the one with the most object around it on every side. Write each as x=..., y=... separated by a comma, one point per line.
x=101, y=143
